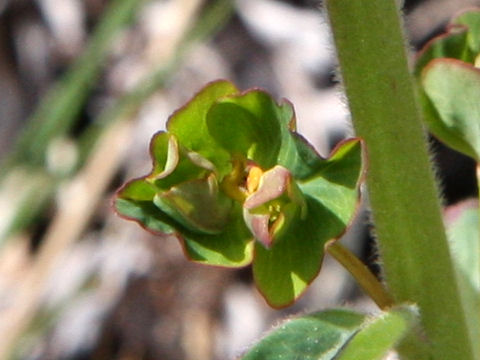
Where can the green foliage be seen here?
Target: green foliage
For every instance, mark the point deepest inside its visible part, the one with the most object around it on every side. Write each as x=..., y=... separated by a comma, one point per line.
x=283, y=271
x=462, y=220
x=450, y=84
x=464, y=235
x=335, y=334
x=316, y=336
x=236, y=184
x=453, y=87
x=380, y=334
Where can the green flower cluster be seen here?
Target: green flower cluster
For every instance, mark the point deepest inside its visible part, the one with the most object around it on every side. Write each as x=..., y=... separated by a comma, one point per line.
x=236, y=184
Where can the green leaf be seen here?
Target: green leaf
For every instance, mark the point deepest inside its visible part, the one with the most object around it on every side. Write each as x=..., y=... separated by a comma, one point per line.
x=471, y=19
x=138, y=189
x=233, y=247
x=335, y=181
x=453, y=44
x=380, y=334
x=318, y=336
x=283, y=271
x=134, y=201
x=146, y=214
x=197, y=205
x=461, y=41
x=164, y=153
x=249, y=124
x=298, y=155
x=462, y=222
x=463, y=233
x=336, y=334
x=172, y=163
x=188, y=124
x=453, y=87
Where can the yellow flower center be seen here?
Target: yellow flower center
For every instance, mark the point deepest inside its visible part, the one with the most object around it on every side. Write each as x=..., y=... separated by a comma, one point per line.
x=242, y=181
x=253, y=179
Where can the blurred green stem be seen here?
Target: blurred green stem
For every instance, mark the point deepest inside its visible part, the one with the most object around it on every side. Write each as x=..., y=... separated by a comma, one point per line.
x=57, y=112
x=55, y=115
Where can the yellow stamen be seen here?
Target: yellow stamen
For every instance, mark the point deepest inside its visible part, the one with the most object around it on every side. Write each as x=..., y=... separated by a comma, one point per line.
x=253, y=179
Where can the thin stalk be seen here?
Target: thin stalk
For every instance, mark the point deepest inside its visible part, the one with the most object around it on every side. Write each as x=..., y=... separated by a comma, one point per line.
x=362, y=274
x=402, y=191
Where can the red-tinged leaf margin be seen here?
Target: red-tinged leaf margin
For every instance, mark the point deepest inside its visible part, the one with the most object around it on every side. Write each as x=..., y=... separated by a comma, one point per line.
x=360, y=180
x=455, y=140
x=452, y=29
x=289, y=128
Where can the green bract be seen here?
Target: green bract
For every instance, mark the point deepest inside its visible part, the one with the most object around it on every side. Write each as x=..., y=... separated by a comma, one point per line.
x=449, y=75
x=235, y=183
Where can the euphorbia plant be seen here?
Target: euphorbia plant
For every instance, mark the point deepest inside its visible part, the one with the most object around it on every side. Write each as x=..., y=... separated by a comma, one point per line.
x=236, y=184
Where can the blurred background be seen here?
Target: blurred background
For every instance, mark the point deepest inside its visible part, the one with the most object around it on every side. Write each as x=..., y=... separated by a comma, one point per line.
x=84, y=84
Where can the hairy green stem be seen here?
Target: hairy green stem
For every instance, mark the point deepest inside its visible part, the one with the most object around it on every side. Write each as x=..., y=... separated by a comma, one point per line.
x=362, y=274
x=404, y=200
